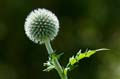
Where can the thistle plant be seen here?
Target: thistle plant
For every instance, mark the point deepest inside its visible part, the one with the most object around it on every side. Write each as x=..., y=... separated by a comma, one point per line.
x=42, y=26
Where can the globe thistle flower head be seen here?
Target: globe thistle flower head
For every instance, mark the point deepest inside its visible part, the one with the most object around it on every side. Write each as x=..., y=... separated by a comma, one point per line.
x=41, y=25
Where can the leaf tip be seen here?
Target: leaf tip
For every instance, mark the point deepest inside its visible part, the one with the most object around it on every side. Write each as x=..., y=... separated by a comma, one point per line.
x=101, y=49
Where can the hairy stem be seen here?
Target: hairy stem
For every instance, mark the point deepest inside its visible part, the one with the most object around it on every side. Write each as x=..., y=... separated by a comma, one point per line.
x=55, y=60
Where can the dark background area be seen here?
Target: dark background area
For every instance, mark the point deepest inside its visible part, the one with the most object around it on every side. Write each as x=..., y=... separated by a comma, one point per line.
x=84, y=24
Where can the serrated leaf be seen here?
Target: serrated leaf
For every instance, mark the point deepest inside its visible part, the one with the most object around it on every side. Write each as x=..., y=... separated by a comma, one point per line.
x=80, y=56
x=49, y=63
x=89, y=53
x=73, y=60
x=49, y=68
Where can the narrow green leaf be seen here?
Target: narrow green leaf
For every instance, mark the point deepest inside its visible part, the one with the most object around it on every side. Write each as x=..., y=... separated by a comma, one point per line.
x=59, y=55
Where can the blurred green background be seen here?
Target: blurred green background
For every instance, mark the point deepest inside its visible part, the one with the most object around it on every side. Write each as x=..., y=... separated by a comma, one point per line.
x=84, y=24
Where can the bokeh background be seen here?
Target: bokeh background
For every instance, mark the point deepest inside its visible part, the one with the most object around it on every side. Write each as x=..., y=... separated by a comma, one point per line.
x=84, y=24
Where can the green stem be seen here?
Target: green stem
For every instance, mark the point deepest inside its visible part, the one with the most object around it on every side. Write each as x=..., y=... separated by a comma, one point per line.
x=55, y=60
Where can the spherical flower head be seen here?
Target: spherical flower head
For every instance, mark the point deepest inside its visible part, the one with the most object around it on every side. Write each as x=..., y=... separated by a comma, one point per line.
x=41, y=25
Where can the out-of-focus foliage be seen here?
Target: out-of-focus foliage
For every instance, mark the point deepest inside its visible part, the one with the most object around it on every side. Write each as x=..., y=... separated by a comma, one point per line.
x=83, y=24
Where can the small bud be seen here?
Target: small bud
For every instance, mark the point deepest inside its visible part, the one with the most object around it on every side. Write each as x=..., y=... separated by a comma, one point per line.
x=41, y=25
